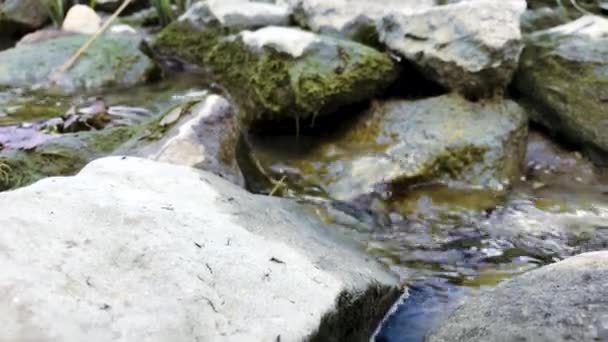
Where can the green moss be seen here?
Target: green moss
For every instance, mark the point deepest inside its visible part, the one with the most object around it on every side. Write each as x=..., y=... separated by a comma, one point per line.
x=454, y=161
x=183, y=40
x=569, y=93
x=273, y=85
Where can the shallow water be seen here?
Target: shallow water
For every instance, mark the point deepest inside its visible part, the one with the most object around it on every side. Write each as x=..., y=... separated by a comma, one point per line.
x=451, y=242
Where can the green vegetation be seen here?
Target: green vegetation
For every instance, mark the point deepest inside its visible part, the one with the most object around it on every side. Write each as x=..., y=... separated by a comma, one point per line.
x=58, y=8
x=168, y=10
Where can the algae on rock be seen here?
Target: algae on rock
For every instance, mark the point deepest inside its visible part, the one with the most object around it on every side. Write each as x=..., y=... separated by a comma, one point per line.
x=444, y=139
x=564, y=74
x=112, y=61
x=286, y=73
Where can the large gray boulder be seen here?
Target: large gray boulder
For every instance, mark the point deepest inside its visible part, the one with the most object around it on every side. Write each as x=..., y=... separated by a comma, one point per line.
x=132, y=249
x=472, y=47
x=565, y=301
x=564, y=74
x=442, y=139
x=22, y=15
x=112, y=61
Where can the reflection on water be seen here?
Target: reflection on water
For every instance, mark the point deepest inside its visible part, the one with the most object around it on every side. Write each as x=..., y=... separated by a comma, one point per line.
x=426, y=304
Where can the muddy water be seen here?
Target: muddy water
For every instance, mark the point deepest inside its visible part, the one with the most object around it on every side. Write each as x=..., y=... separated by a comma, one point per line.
x=447, y=243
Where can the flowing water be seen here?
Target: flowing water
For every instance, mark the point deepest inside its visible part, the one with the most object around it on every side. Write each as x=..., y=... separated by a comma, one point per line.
x=444, y=243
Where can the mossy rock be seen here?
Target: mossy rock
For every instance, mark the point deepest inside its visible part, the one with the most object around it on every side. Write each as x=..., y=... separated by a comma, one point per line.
x=111, y=61
x=565, y=76
x=445, y=139
x=279, y=73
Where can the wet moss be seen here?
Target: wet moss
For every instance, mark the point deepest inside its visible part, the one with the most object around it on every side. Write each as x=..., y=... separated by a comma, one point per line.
x=184, y=41
x=568, y=91
x=272, y=85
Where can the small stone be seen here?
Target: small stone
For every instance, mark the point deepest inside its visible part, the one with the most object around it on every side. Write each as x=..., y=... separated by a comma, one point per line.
x=81, y=19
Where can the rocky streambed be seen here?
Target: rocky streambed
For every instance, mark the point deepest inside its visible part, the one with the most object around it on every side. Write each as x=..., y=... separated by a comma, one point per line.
x=296, y=170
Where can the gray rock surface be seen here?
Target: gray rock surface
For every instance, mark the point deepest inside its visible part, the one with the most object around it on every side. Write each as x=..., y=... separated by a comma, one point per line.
x=565, y=301
x=132, y=249
x=564, y=74
x=472, y=47
x=441, y=139
x=354, y=19
x=237, y=14
x=203, y=135
x=22, y=14
x=112, y=61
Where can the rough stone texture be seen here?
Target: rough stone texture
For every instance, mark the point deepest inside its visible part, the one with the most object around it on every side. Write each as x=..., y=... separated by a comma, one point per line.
x=472, y=47
x=112, y=61
x=287, y=73
x=132, y=249
x=236, y=14
x=81, y=19
x=441, y=139
x=18, y=14
x=204, y=136
x=564, y=74
x=565, y=301
x=353, y=19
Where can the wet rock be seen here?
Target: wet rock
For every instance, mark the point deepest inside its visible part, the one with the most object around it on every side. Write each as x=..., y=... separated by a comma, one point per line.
x=563, y=73
x=443, y=139
x=560, y=302
x=292, y=74
x=81, y=19
x=145, y=247
x=112, y=61
x=472, y=47
x=16, y=15
x=202, y=135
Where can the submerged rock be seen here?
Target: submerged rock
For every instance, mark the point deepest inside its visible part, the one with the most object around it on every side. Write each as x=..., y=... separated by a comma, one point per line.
x=564, y=74
x=202, y=134
x=442, y=139
x=162, y=252
x=112, y=61
x=560, y=302
x=16, y=15
x=287, y=73
x=472, y=47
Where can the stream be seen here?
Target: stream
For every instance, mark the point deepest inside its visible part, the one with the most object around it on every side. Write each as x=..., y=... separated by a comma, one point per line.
x=445, y=243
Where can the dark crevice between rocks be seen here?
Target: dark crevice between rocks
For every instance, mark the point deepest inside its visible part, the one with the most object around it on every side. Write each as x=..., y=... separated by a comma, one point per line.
x=412, y=84
x=356, y=315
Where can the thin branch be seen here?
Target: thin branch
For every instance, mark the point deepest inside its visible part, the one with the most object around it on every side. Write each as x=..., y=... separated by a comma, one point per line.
x=70, y=62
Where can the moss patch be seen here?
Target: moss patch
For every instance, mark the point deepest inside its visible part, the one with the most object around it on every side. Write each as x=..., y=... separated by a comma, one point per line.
x=184, y=41
x=272, y=85
x=570, y=92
